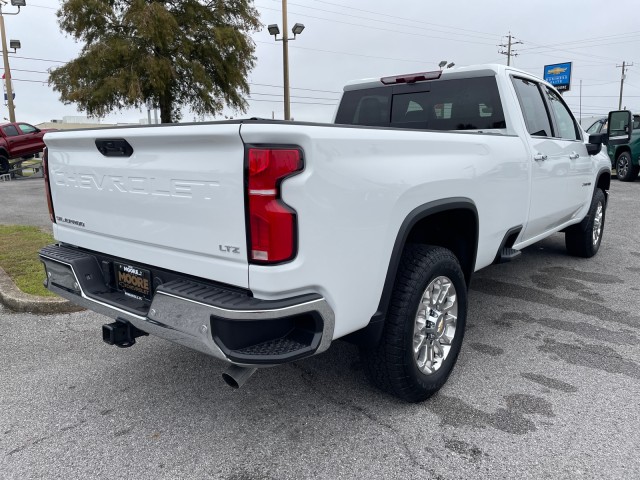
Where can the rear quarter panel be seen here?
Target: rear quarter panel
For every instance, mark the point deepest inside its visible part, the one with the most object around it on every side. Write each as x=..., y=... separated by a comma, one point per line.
x=358, y=186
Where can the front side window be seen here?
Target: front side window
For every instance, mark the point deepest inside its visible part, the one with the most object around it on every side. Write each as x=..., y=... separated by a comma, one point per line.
x=566, y=125
x=26, y=128
x=10, y=131
x=533, y=107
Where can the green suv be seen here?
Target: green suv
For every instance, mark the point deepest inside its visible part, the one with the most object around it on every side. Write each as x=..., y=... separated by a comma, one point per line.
x=625, y=158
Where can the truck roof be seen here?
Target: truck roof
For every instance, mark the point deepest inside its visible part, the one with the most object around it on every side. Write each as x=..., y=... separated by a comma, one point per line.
x=450, y=73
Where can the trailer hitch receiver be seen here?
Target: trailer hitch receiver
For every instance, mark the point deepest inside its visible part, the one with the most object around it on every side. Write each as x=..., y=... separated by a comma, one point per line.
x=121, y=333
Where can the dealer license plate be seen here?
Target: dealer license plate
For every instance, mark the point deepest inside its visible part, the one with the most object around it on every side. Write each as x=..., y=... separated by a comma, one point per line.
x=135, y=282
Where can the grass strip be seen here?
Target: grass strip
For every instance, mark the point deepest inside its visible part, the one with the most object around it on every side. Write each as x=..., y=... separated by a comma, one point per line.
x=19, y=247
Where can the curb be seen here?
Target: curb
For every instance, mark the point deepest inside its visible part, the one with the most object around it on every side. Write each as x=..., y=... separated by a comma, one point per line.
x=18, y=301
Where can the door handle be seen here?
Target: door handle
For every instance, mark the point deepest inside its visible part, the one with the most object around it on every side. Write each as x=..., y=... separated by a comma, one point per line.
x=539, y=156
x=574, y=155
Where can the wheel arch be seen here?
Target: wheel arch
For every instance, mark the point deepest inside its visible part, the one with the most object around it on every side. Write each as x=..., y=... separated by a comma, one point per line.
x=621, y=149
x=451, y=223
x=603, y=181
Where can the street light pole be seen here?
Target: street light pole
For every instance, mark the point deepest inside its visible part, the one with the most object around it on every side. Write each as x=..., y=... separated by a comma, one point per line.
x=275, y=31
x=285, y=62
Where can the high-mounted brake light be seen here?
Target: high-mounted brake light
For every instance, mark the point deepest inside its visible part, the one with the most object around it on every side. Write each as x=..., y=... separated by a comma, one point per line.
x=411, y=77
x=47, y=188
x=273, y=229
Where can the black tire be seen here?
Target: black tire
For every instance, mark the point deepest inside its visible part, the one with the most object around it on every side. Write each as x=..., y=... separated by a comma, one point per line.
x=392, y=365
x=625, y=169
x=581, y=239
x=4, y=165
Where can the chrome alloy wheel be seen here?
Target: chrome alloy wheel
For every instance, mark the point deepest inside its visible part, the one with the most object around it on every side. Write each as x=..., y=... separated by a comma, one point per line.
x=597, y=223
x=435, y=325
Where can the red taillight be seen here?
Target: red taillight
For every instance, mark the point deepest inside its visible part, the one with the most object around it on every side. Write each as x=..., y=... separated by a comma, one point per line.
x=272, y=238
x=47, y=188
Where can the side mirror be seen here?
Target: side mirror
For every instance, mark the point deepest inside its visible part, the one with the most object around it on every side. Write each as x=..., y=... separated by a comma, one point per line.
x=619, y=127
x=595, y=143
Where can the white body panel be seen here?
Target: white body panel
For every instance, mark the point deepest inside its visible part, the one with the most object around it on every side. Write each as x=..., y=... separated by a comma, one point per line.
x=358, y=186
x=171, y=204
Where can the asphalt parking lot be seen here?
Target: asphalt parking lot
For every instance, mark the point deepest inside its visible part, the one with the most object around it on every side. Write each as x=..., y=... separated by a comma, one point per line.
x=547, y=386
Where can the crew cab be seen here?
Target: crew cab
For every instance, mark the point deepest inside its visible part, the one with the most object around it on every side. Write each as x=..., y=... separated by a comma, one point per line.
x=19, y=140
x=261, y=242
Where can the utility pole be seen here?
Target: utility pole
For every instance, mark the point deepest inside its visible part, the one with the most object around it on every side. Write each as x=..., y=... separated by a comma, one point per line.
x=580, y=102
x=625, y=66
x=509, y=53
x=5, y=55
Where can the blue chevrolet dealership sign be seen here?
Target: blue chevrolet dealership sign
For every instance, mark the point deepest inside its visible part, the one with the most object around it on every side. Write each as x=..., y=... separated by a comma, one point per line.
x=559, y=75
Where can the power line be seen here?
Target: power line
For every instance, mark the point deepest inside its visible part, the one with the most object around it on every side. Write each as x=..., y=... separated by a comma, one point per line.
x=342, y=14
x=381, y=29
x=456, y=29
x=44, y=82
x=292, y=96
x=299, y=103
x=585, y=40
x=42, y=6
x=603, y=96
x=39, y=59
x=591, y=56
x=422, y=62
x=294, y=88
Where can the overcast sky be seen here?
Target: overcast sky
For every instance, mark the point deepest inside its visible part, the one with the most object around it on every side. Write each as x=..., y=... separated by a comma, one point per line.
x=375, y=38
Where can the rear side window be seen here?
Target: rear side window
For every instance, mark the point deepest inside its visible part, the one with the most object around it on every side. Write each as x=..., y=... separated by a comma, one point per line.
x=10, y=131
x=460, y=104
x=369, y=107
x=533, y=108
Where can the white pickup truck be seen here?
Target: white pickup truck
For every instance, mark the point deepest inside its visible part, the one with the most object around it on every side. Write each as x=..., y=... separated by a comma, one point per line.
x=261, y=242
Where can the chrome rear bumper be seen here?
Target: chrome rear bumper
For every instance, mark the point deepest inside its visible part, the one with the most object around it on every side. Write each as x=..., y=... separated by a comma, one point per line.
x=227, y=324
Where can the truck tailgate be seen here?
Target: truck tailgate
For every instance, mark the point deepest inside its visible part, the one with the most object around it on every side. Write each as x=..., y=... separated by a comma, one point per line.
x=176, y=202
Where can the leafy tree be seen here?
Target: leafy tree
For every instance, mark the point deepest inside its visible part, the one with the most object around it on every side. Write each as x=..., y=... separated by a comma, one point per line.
x=169, y=52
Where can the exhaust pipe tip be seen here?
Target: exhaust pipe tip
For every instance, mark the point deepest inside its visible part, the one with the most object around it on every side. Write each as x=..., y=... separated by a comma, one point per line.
x=236, y=376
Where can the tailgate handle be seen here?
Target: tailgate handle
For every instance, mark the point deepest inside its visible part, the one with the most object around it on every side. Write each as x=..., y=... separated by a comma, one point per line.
x=114, y=147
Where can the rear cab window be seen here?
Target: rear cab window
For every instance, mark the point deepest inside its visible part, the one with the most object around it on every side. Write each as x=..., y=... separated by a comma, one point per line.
x=455, y=104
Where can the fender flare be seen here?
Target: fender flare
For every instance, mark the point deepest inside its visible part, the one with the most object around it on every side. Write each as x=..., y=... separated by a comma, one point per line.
x=601, y=173
x=371, y=334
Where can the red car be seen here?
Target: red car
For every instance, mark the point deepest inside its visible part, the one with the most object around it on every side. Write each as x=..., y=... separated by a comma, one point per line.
x=18, y=140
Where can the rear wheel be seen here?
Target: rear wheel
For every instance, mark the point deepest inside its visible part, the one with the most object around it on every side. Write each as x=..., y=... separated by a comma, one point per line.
x=583, y=239
x=4, y=165
x=626, y=170
x=424, y=326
